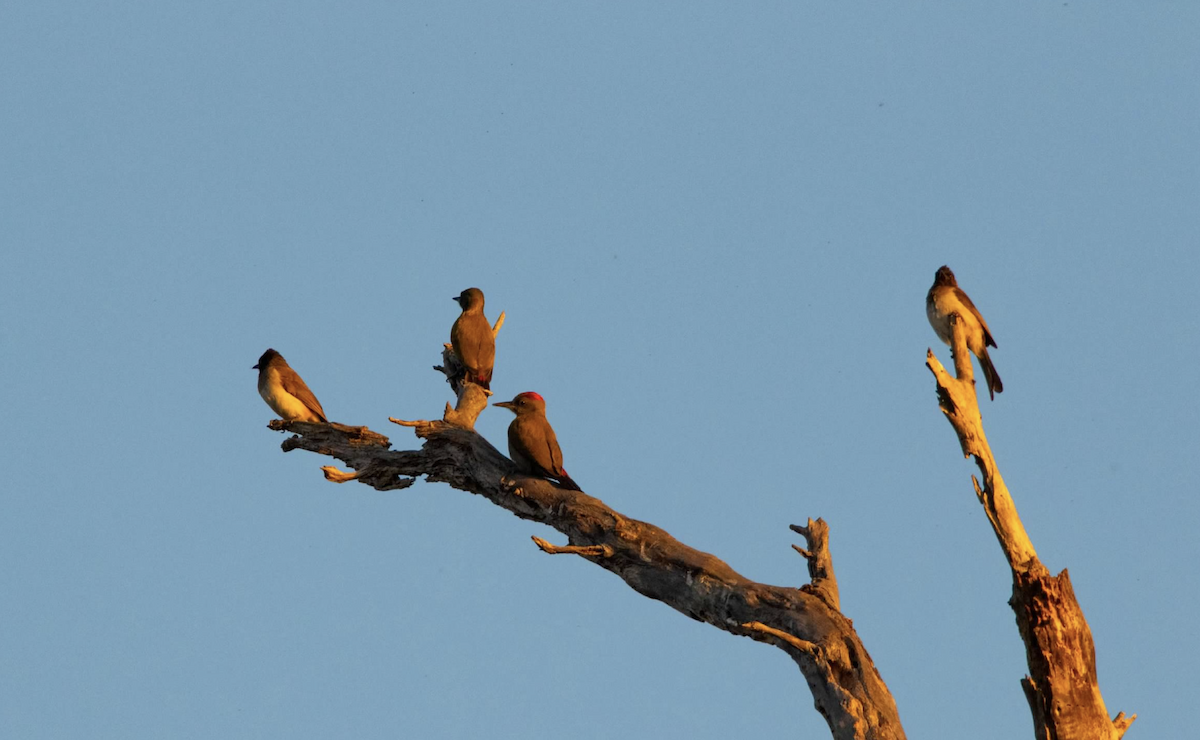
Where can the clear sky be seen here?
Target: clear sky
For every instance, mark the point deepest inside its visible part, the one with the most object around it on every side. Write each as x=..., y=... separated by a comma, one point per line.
x=712, y=227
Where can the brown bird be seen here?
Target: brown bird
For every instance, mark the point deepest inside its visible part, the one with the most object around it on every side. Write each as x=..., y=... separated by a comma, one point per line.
x=945, y=298
x=285, y=391
x=472, y=339
x=531, y=441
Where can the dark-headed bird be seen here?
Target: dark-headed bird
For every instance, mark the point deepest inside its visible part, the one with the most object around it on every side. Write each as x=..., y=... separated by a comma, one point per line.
x=945, y=298
x=531, y=441
x=472, y=339
x=285, y=391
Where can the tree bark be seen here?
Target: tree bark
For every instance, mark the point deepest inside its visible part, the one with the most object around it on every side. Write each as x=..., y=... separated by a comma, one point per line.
x=803, y=622
x=1062, y=688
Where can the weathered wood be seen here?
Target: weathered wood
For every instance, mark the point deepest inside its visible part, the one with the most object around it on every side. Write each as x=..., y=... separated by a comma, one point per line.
x=1062, y=688
x=820, y=563
x=803, y=622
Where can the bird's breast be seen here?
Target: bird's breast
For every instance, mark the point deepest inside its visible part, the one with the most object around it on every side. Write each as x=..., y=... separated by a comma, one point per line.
x=283, y=403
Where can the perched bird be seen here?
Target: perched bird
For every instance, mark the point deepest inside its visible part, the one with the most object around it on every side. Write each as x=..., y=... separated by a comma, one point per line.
x=472, y=338
x=945, y=298
x=531, y=441
x=285, y=391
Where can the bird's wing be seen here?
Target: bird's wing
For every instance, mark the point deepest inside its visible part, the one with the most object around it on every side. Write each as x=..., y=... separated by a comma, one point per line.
x=487, y=347
x=294, y=384
x=555, y=453
x=474, y=340
x=485, y=344
x=964, y=299
x=515, y=450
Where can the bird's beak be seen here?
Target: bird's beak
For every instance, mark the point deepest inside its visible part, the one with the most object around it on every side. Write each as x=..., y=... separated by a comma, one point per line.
x=504, y=404
x=254, y=367
x=456, y=299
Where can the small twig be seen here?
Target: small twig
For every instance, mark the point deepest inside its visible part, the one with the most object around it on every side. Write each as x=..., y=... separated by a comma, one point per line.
x=404, y=423
x=340, y=476
x=370, y=475
x=1122, y=723
x=499, y=323
x=584, y=550
x=796, y=642
x=807, y=555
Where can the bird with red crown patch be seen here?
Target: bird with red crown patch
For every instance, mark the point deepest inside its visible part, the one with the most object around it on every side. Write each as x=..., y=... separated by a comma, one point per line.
x=532, y=444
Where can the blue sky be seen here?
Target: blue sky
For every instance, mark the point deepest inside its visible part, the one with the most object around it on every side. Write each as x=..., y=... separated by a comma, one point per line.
x=711, y=228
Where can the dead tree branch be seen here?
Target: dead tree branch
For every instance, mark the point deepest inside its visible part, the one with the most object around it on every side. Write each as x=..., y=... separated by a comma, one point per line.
x=1062, y=688
x=820, y=563
x=804, y=623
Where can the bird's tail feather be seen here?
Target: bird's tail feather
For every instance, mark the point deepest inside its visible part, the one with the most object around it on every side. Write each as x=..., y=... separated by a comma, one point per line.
x=566, y=481
x=484, y=383
x=991, y=376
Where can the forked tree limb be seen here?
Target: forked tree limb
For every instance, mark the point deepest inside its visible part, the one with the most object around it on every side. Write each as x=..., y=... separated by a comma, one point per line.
x=803, y=622
x=820, y=563
x=1062, y=688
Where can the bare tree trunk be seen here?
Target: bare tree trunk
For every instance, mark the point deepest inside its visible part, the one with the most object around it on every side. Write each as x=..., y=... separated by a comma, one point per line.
x=1062, y=687
x=803, y=622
